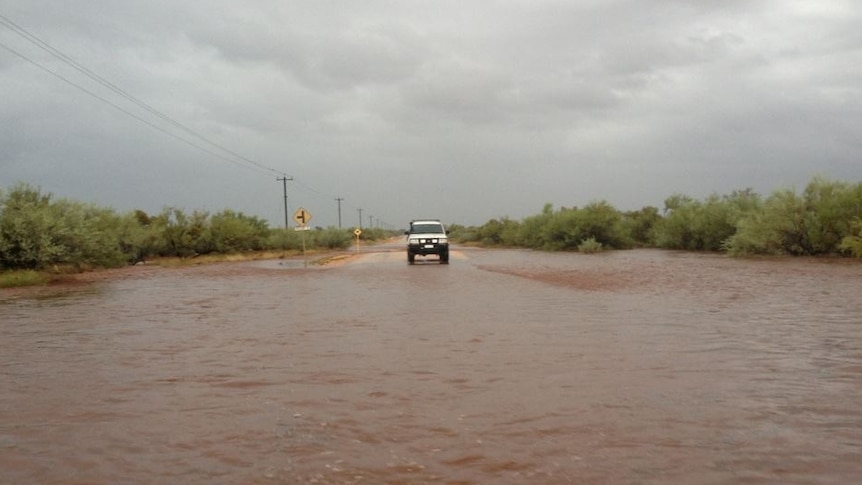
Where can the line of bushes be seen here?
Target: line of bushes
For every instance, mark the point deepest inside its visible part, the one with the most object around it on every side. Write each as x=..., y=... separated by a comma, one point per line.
x=37, y=232
x=826, y=218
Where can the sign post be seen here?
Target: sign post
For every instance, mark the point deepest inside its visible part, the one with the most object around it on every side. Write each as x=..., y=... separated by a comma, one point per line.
x=302, y=217
x=357, y=233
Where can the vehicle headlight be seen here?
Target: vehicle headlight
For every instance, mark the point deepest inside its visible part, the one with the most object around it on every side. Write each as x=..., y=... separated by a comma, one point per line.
x=443, y=240
x=413, y=240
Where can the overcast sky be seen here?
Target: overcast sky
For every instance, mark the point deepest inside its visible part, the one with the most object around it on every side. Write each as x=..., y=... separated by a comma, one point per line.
x=458, y=110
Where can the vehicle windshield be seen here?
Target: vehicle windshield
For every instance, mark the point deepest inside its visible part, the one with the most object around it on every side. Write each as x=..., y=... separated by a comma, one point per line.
x=426, y=229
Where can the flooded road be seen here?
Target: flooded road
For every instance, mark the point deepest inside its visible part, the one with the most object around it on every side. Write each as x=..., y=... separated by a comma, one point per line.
x=630, y=367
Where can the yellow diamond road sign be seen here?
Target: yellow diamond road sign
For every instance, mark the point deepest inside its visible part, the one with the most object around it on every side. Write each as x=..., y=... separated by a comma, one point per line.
x=301, y=216
x=357, y=232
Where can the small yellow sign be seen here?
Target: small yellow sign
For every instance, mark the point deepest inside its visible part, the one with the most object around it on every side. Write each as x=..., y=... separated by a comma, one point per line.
x=357, y=232
x=301, y=216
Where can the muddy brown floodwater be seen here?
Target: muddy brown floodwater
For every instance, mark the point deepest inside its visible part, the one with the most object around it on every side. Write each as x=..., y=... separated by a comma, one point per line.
x=630, y=367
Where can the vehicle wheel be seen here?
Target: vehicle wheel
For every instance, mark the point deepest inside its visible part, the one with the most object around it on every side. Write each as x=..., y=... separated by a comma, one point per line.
x=444, y=258
x=411, y=258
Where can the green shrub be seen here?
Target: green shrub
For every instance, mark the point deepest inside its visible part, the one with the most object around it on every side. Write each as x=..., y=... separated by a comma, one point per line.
x=568, y=227
x=490, y=233
x=233, y=232
x=703, y=225
x=333, y=238
x=179, y=234
x=852, y=244
x=602, y=222
x=830, y=210
x=284, y=240
x=819, y=221
x=637, y=226
x=29, y=229
x=462, y=234
x=36, y=232
x=23, y=277
x=590, y=246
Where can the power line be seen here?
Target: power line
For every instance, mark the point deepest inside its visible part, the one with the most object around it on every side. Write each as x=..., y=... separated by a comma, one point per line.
x=123, y=110
x=33, y=39
x=234, y=157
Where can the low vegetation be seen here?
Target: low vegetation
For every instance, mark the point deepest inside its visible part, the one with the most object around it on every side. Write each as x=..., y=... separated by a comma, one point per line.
x=590, y=246
x=23, y=277
x=40, y=235
x=852, y=244
x=824, y=219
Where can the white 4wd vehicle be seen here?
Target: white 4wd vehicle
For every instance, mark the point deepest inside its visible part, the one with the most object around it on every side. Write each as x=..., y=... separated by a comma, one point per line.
x=427, y=236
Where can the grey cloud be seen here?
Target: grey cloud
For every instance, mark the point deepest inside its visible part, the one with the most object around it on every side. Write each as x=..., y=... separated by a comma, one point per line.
x=486, y=110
